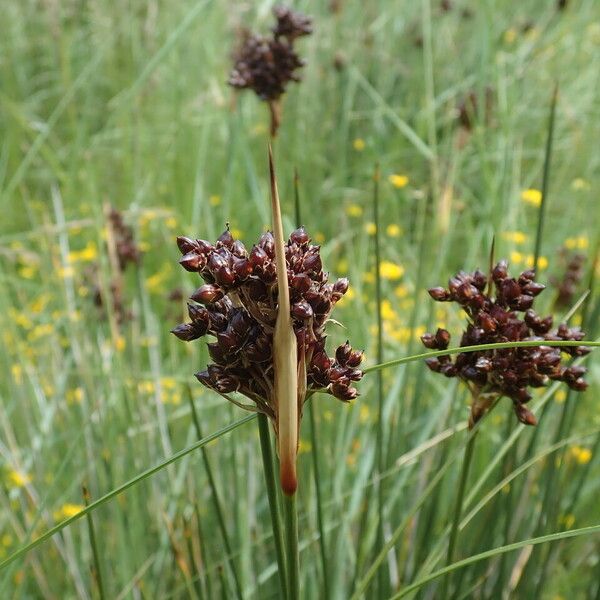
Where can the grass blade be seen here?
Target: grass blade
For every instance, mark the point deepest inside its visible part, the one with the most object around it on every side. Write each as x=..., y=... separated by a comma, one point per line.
x=120, y=489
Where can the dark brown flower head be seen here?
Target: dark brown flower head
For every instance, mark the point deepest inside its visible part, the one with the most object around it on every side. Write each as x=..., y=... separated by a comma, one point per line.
x=237, y=306
x=567, y=285
x=506, y=315
x=290, y=24
x=267, y=64
x=126, y=249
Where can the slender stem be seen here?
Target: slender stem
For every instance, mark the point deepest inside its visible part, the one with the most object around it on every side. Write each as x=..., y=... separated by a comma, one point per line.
x=545, y=179
x=464, y=475
x=380, y=453
x=216, y=499
x=293, y=558
x=271, y=483
x=314, y=437
x=315, y=461
x=97, y=572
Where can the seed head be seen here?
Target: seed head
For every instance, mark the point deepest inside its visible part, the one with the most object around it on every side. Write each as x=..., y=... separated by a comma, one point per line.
x=495, y=317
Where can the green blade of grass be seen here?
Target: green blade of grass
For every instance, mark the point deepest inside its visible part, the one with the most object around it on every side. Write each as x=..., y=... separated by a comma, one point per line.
x=545, y=539
x=481, y=347
x=545, y=180
x=120, y=489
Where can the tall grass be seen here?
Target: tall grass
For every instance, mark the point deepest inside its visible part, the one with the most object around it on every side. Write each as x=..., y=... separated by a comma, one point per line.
x=125, y=103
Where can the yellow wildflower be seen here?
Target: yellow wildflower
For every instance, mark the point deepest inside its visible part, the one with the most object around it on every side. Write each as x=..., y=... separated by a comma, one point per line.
x=120, y=343
x=358, y=144
x=17, y=373
x=560, y=396
x=354, y=210
x=319, y=237
x=387, y=311
x=532, y=196
x=171, y=222
x=393, y=230
x=581, y=455
x=581, y=242
x=214, y=200
x=516, y=258
x=67, y=510
x=401, y=291
x=28, y=271
x=74, y=396
x=398, y=181
x=365, y=413
x=391, y=271
x=370, y=228
x=517, y=237
x=542, y=261
x=18, y=479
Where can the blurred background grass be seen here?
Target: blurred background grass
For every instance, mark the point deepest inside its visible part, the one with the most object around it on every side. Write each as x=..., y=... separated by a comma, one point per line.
x=126, y=104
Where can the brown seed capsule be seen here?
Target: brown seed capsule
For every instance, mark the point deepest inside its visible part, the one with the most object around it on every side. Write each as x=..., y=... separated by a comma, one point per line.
x=207, y=294
x=192, y=261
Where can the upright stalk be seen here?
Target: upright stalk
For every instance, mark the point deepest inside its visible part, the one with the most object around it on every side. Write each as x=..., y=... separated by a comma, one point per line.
x=545, y=179
x=464, y=476
x=271, y=484
x=216, y=499
x=380, y=452
x=293, y=560
x=314, y=438
x=97, y=570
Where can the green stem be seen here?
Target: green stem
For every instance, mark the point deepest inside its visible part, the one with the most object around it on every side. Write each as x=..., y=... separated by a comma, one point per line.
x=545, y=179
x=216, y=498
x=97, y=572
x=379, y=448
x=315, y=461
x=464, y=475
x=293, y=558
x=271, y=483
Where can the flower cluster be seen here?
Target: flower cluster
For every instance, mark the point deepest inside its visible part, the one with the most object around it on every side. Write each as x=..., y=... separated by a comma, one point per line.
x=267, y=64
x=495, y=318
x=567, y=285
x=237, y=305
x=126, y=249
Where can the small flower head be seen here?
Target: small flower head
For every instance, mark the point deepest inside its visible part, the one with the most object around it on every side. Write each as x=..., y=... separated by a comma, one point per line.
x=267, y=64
x=504, y=315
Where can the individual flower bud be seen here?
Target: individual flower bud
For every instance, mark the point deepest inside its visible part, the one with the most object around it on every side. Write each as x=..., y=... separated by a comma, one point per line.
x=192, y=261
x=343, y=392
x=479, y=280
x=186, y=244
x=225, y=239
x=341, y=286
x=242, y=268
x=343, y=353
x=224, y=276
x=533, y=288
x=217, y=261
x=525, y=415
x=238, y=249
x=442, y=338
x=207, y=294
x=433, y=364
x=299, y=237
x=312, y=260
x=187, y=332
x=302, y=310
x=198, y=313
x=267, y=243
x=500, y=271
x=258, y=257
x=354, y=359
x=486, y=322
x=429, y=341
x=439, y=294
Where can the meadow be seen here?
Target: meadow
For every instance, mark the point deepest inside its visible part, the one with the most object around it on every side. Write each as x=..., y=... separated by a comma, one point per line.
x=419, y=136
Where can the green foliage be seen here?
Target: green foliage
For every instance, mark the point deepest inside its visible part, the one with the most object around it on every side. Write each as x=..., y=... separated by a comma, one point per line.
x=125, y=103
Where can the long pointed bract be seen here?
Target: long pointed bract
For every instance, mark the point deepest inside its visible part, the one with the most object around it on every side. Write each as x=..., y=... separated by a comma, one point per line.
x=285, y=355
